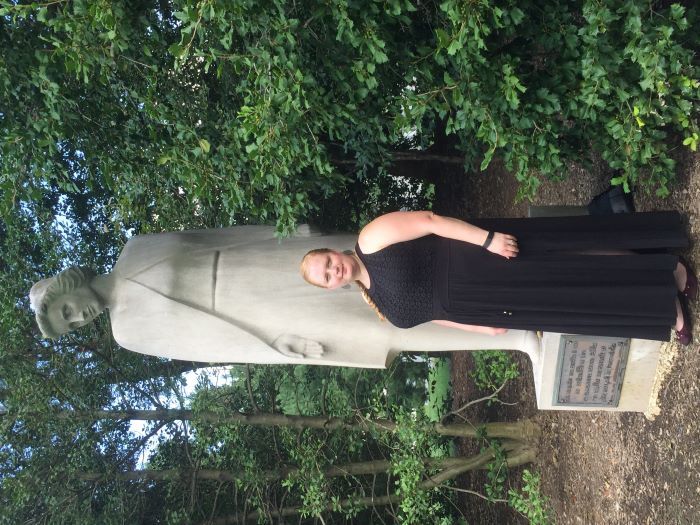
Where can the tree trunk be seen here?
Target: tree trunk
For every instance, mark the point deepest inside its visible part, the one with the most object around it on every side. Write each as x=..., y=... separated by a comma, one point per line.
x=361, y=468
x=412, y=156
x=517, y=455
x=415, y=165
x=524, y=430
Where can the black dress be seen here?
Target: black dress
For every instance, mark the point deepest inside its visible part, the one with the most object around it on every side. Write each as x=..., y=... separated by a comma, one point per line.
x=550, y=286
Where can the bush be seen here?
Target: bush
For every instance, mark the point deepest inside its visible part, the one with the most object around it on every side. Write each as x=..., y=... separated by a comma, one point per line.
x=492, y=368
x=530, y=502
x=543, y=83
x=190, y=113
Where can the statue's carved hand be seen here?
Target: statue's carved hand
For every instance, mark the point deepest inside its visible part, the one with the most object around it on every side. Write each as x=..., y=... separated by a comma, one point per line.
x=297, y=347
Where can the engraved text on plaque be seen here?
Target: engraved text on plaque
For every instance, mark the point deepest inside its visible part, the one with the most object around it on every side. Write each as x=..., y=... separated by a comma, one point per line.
x=590, y=370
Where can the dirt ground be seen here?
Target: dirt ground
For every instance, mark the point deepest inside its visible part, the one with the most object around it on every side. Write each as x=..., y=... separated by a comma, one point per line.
x=597, y=467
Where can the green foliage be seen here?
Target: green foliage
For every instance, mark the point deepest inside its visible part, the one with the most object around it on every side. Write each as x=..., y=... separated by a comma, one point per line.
x=336, y=391
x=254, y=452
x=492, y=368
x=541, y=83
x=412, y=441
x=198, y=113
x=640, y=93
x=529, y=501
x=370, y=194
x=314, y=390
x=439, y=389
x=496, y=470
x=208, y=112
x=310, y=479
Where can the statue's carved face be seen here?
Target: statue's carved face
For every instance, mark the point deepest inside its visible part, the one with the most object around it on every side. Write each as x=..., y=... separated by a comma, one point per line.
x=73, y=309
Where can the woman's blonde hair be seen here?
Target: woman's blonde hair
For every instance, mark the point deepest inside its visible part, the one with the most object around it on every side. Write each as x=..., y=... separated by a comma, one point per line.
x=304, y=268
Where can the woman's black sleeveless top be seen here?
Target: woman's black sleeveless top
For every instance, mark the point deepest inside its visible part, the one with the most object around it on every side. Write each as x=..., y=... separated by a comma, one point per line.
x=402, y=280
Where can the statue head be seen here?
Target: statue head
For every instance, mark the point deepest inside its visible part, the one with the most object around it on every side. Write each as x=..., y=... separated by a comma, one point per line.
x=65, y=302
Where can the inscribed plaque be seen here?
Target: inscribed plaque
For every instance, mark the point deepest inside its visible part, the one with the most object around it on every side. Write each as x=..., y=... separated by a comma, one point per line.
x=590, y=370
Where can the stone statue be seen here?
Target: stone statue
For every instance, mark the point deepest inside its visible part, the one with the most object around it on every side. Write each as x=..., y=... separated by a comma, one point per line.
x=234, y=295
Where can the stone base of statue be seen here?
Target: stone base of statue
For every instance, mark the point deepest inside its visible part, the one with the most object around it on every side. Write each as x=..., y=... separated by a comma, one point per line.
x=577, y=372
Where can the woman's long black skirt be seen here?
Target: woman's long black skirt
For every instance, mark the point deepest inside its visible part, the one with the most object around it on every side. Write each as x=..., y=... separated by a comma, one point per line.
x=558, y=284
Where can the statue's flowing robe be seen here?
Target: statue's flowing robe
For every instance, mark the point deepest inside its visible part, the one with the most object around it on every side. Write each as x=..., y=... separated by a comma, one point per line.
x=224, y=295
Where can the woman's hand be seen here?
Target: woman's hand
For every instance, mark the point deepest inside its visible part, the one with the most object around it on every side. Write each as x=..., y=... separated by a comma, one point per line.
x=504, y=244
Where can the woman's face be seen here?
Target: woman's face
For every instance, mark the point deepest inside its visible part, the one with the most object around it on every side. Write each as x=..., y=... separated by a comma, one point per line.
x=74, y=309
x=330, y=270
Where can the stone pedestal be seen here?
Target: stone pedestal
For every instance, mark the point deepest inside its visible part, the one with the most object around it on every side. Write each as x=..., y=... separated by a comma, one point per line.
x=574, y=372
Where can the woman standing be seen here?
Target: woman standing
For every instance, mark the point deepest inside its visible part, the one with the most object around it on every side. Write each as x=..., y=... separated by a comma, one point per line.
x=570, y=274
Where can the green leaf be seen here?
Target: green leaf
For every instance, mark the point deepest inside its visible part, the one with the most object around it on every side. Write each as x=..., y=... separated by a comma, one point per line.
x=176, y=50
x=454, y=46
x=677, y=11
x=647, y=84
x=487, y=159
x=516, y=15
x=204, y=144
x=442, y=37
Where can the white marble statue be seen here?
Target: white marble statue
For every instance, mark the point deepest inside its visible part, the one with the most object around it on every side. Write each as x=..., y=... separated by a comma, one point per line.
x=234, y=295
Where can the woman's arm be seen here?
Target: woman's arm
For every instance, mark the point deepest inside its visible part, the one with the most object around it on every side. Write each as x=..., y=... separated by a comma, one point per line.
x=403, y=226
x=472, y=327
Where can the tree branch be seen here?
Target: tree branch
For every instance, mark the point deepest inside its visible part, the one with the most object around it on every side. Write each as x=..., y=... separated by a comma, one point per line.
x=474, y=402
x=250, y=388
x=467, y=491
x=143, y=441
x=521, y=454
x=524, y=430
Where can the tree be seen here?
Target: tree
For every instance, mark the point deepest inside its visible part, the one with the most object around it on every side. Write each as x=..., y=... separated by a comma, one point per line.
x=432, y=471
x=524, y=430
x=229, y=456
x=197, y=113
